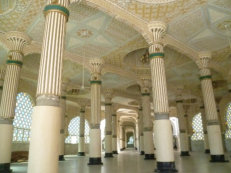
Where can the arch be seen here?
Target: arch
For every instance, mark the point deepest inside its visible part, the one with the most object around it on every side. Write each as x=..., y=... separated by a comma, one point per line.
x=197, y=126
x=22, y=120
x=74, y=131
x=228, y=122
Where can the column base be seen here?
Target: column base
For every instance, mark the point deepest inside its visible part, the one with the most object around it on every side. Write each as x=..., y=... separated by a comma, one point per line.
x=166, y=167
x=5, y=168
x=149, y=157
x=95, y=161
x=81, y=153
x=218, y=158
x=142, y=153
x=61, y=158
x=114, y=152
x=207, y=151
x=107, y=155
x=184, y=153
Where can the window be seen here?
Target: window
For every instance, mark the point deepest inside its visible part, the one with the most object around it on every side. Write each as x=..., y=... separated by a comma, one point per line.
x=74, y=130
x=22, y=119
x=197, y=128
x=228, y=122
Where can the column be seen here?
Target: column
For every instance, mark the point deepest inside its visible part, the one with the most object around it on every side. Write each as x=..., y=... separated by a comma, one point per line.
x=141, y=134
x=147, y=122
x=95, y=135
x=213, y=127
x=17, y=42
x=137, y=134
x=122, y=138
x=114, y=133
x=162, y=126
x=184, y=146
x=45, y=133
x=62, y=126
x=206, y=140
x=108, y=126
x=2, y=74
x=81, y=146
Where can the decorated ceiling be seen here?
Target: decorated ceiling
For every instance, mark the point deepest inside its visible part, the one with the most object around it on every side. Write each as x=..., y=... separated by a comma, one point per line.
x=116, y=30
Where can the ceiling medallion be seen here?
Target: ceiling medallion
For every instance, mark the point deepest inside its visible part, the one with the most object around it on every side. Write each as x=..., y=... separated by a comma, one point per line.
x=155, y=1
x=84, y=33
x=6, y=6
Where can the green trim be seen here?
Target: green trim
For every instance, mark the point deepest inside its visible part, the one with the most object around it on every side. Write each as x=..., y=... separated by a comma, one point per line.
x=1, y=87
x=179, y=101
x=82, y=111
x=63, y=97
x=96, y=82
x=156, y=55
x=14, y=62
x=140, y=109
x=108, y=104
x=205, y=77
x=113, y=115
x=145, y=94
x=57, y=7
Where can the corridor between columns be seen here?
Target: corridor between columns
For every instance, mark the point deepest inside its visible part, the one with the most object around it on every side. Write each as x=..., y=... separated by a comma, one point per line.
x=130, y=161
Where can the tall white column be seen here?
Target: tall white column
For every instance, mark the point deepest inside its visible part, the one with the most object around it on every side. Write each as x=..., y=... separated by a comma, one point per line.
x=114, y=133
x=46, y=117
x=162, y=126
x=206, y=140
x=95, y=134
x=184, y=145
x=108, y=126
x=213, y=127
x=141, y=128
x=16, y=41
x=81, y=145
x=62, y=126
x=148, y=125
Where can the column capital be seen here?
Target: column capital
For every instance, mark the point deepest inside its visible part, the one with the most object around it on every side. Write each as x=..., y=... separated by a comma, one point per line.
x=17, y=40
x=158, y=29
x=203, y=59
x=96, y=66
x=108, y=94
x=179, y=92
x=145, y=84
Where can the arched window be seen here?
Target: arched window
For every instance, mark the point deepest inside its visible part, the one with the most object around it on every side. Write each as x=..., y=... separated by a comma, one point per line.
x=74, y=131
x=22, y=119
x=228, y=122
x=197, y=128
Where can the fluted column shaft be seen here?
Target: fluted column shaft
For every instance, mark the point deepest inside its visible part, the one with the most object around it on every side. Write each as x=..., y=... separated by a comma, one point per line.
x=81, y=146
x=114, y=133
x=108, y=127
x=43, y=156
x=184, y=145
x=148, y=127
x=17, y=41
x=213, y=127
x=206, y=140
x=162, y=125
x=141, y=131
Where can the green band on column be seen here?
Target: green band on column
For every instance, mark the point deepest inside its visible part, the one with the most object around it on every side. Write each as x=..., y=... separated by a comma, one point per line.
x=1, y=87
x=145, y=94
x=205, y=77
x=82, y=111
x=108, y=104
x=20, y=63
x=96, y=82
x=64, y=97
x=179, y=101
x=57, y=8
x=156, y=55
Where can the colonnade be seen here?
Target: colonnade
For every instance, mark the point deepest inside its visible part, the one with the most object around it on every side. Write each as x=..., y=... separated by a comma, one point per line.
x=50, y=106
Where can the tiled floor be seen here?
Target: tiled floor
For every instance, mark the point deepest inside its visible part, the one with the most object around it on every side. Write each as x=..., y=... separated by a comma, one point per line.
x=131, y=162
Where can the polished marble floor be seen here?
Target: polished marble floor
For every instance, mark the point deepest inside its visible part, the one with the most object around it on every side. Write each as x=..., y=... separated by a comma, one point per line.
x=129, y=161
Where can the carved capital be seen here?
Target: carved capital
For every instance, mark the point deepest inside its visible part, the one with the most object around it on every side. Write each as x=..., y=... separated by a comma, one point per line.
x=145, y=84
x=203, y=60
x=158, y=29
x=17, y=40
x=96, y=66
x=108, y=94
